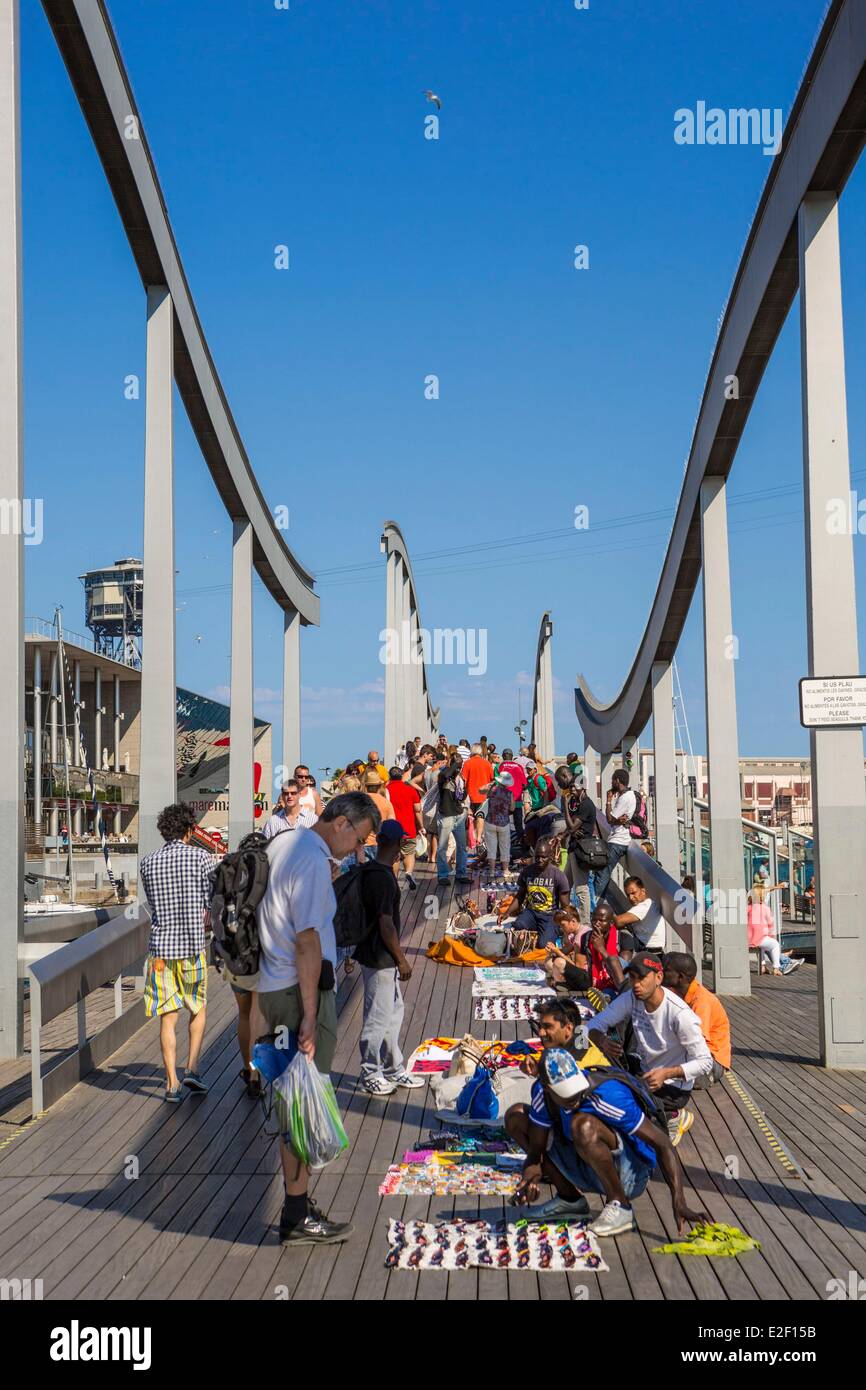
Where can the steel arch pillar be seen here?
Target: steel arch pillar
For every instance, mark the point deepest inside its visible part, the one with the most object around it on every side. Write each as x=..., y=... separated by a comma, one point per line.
x=403, y=650
x=542, y=730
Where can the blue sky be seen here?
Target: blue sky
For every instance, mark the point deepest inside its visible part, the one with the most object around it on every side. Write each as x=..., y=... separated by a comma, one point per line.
x=410, y=257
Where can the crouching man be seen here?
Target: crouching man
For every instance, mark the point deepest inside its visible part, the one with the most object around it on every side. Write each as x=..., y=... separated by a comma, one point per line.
x=582, y=1135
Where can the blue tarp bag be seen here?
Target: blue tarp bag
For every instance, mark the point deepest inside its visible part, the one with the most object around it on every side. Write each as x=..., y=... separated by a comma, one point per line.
x=478, y=1100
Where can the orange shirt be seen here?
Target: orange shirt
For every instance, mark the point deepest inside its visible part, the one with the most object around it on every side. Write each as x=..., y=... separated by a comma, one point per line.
x=714, y=1022
x=477, y=772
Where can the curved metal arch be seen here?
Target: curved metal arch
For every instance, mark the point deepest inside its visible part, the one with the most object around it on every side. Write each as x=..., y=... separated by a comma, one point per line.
x=821, y=143
x=542, y=698
x=393, y=542
x=89, y=48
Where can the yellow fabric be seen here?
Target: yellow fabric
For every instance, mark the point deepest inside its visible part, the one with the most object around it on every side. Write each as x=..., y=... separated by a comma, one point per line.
x=593, y=1057
x=455, y=952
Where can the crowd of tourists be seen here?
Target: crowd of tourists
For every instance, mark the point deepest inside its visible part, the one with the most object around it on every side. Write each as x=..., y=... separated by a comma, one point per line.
x=661, y=1032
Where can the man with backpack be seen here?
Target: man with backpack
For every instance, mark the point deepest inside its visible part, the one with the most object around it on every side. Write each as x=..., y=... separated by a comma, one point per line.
x=671, y=1048
x=383, y=967
x=586, y=1131
x=619, y=809
x=297, y=960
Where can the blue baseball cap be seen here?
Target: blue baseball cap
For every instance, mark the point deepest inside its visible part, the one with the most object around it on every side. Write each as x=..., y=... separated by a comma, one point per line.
x=390, y=831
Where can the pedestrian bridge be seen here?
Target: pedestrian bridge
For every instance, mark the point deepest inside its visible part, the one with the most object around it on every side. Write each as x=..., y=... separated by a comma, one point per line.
x=109, y=1193
x=114, y=1195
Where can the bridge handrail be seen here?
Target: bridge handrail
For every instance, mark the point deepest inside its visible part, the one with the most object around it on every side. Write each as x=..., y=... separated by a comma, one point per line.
x=65, y=978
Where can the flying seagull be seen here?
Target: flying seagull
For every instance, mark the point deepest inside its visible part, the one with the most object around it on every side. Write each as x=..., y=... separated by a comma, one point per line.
x=431, y=96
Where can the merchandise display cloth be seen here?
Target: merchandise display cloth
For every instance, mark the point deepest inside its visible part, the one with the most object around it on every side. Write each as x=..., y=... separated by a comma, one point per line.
x=509, y=1009
x=710, y=1238
x=437, y=1054
x=502, y=981
x=451, y=951
x=495, y=1245
x=447, y=1175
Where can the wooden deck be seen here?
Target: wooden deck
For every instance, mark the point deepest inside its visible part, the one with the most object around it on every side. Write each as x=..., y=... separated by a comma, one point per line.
x=198, y=1219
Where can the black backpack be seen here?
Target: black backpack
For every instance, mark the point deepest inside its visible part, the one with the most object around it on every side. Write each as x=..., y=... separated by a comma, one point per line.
x=238, y=885
x=652, y=1108
x=350, y=920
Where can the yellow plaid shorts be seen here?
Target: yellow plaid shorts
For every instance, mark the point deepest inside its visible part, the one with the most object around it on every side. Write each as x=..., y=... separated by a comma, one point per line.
x=170, y=985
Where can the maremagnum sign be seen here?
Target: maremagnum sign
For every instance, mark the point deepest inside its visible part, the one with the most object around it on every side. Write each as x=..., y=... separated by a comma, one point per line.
x=833, y=702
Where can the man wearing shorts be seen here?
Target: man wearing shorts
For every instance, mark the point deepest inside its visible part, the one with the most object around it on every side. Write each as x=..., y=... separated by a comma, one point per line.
x=582, y=1138
x=298, y=953
x=175, y=881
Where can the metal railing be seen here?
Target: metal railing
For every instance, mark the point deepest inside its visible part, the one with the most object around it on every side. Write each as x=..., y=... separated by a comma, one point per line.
x=64, y=978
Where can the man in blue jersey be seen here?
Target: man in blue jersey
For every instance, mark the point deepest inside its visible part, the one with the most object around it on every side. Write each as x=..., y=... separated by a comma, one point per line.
x=581, y=1135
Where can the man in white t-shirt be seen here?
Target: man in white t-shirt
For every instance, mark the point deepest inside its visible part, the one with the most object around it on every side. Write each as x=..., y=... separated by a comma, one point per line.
x=298, y=954
x=620, y=807
x=667, y=1037
x=644, y=918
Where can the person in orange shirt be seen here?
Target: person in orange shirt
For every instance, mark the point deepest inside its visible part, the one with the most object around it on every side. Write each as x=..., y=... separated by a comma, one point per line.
x=681, y=977
x=477, y=773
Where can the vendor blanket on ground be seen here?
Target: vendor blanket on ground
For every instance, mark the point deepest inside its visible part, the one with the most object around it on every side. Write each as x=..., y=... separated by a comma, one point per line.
x=494, y=1245
x=511, y=1009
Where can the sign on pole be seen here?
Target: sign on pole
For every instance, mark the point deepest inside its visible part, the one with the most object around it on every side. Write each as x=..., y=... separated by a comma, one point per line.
x=832, y=702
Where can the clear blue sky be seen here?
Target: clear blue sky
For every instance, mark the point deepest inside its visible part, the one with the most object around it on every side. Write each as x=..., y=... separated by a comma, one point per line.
x=409, y=257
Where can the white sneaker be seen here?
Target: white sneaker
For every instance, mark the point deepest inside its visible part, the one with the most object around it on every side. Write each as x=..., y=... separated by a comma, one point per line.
x=378, y=1086
x=614, y=1220
x=406, y=1081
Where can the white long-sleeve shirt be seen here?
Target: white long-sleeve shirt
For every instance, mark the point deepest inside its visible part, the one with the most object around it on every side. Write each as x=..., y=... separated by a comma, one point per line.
x=669, y=1036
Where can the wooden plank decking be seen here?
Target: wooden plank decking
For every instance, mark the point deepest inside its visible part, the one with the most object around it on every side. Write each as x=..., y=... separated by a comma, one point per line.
x=114, y=1195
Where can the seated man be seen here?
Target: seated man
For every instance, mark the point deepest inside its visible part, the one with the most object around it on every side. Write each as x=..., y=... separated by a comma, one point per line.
x=671, y=1048
x=681, y=976
x=580, y=1133
x=644, y=918
x=541, y=889
x=595, y=962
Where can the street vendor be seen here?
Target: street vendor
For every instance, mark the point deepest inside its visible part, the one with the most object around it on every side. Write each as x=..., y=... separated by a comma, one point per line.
x=582, y=1135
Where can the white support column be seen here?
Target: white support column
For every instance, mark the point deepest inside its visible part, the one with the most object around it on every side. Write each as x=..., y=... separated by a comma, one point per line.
x=77, y=750
x=392, y=657
x=37, y=741
x=664, y=769
x=11, y=546
x=609, y=764
x=291, y=690
x=158, y=748
x=727, y=878
x=590, y=764
x=406, y=707
x=839, y=796
x=241, y=708
x=52, y=741
x=117, y=719
x=97, y=718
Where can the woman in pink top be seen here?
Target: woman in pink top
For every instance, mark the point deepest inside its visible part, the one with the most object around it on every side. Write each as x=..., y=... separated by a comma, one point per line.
x=762, y=928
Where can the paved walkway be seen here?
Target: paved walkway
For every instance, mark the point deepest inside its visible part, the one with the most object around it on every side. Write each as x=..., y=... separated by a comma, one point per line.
x=198, y=1219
